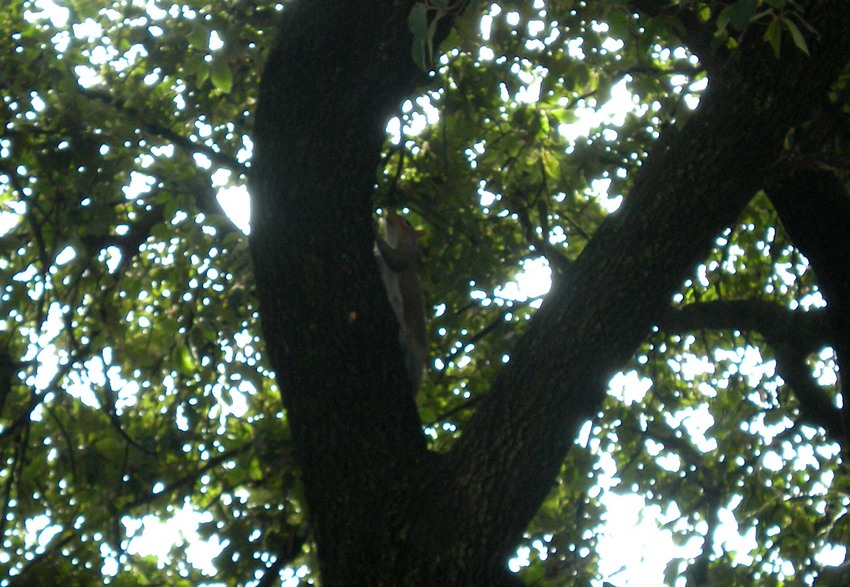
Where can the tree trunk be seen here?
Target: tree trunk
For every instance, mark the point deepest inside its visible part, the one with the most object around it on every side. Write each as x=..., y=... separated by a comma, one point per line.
x=384, y=510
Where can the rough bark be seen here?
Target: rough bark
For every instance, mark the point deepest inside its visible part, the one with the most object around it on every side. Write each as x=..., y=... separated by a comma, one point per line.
x=384, y=510
x=337, y=71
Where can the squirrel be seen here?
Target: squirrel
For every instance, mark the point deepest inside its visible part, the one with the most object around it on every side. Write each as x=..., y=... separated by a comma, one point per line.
x=398, y=258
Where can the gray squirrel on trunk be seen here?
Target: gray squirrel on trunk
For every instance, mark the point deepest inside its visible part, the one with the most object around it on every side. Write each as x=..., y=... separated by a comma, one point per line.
x=398, y=253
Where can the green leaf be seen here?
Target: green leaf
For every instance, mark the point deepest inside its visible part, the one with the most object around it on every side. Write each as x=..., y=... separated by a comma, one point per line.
x=221, y=76
x=551, y=165
x=796, y=35
x=183, y=361
x=741, y=13
x=723, y=19
x=564, y=115
x=195, y=65
x=199, y=38
x=417, y=51
x=773, y=35
x=417, y=21
x=619, y=24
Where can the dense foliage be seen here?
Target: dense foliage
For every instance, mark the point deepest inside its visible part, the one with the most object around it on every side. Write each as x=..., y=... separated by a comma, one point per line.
x=133, y=378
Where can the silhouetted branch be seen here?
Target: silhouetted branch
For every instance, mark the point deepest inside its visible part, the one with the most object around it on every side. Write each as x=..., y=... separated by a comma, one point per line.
x=793, y=336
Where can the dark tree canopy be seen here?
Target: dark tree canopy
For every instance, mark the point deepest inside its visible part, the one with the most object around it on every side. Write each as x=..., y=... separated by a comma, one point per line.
x=688, y=351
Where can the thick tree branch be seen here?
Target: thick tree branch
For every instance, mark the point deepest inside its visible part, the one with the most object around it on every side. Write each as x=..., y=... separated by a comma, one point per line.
x=816, y=407
x=814, y=208
x=809, y=331
x=694, y=183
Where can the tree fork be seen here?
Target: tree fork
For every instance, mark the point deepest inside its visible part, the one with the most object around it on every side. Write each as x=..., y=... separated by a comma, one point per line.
x=383, y=510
